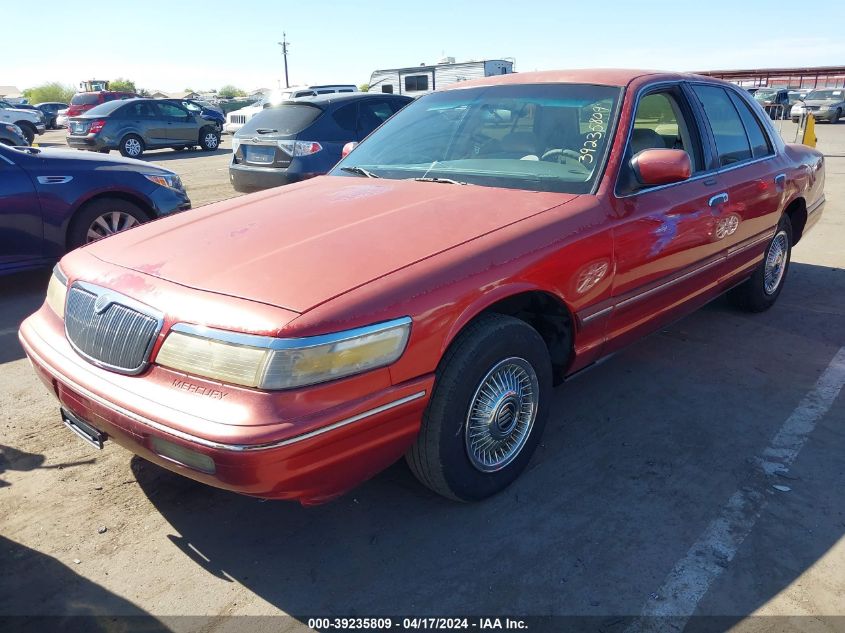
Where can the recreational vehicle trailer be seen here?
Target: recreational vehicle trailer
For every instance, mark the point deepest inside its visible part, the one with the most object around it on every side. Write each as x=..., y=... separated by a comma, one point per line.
x=419, y=80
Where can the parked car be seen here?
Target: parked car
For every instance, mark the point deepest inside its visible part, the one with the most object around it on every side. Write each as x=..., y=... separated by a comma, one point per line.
x=61, y=118
x=81, y=102
x=51, y=111
x=31, y=122
x=827, y=104
x=303, y=138
x=208, y=112
x=237, y=118
x=775, y=102
x=422, y=299
x=54, y=200
x=11, y=134
x=26, y=106
x=135, y=125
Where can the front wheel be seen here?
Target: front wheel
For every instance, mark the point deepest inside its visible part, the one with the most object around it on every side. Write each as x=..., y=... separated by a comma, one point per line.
x=760, y=292
x=28, y=130
x=102, y=218
x=487, y=411
x=209, y=139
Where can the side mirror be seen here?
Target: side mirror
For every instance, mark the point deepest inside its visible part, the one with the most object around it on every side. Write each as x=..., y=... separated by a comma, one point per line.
x=348, y=148
x=661, y=166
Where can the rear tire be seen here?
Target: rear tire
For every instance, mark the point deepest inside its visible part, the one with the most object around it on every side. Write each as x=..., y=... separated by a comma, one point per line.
x=97, y=219
x=209, y=139
x=491, y=393
x=762, y=289
x=131, y=146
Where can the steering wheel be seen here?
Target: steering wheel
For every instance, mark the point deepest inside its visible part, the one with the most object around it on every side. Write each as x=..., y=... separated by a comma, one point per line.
x=565, y=153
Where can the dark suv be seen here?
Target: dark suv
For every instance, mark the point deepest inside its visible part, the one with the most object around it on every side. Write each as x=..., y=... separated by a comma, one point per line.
x=135, y=125
x=302, y=138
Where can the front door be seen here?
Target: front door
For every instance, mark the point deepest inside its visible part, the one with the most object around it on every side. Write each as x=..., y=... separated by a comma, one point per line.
x=181, y=126
x=21, y=227
x=665, y=253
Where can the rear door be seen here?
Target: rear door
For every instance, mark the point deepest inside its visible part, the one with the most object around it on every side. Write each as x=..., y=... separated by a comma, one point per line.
x=21, y=226
x=181, y=124
x=143, y=117
x=665, y=251
x=750, y=174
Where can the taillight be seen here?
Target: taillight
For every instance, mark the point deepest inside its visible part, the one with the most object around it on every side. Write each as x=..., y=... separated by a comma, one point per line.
x=96, y=126
x=300, y=148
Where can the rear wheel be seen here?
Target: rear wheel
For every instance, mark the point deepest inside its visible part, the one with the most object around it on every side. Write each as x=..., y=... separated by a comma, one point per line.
x=132, y=146
x=103, y=217
x=760, y=292
x=487, y=411
x=209, y=139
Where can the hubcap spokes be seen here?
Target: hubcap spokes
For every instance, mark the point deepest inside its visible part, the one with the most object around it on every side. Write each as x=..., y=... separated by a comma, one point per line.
x=775, y=263
x=501, y=415
x=133, y=147
x=109, y=224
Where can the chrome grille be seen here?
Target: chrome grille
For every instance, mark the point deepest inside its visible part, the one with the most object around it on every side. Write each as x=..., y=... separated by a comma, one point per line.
x=117, y=337
x=239, y=118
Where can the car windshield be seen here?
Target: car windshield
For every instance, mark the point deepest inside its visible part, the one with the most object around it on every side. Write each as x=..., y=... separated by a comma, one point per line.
x=538, y=137
x=826, y=95
x=85, y=98
x=289, y=119
x=764, y=95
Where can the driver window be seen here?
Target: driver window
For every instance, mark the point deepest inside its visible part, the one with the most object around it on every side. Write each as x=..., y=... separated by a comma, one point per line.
x=659, y=123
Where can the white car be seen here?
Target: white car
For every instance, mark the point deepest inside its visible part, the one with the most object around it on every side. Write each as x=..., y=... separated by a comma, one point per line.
x=237, y=118
x=31, y=122
x=61, y=118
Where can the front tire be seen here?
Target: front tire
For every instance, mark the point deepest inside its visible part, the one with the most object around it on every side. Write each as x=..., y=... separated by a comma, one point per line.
x=487, y=412
x=28, y=130
x=131, y=146
x=760, y=292
x=209, y=139
x=101, y=218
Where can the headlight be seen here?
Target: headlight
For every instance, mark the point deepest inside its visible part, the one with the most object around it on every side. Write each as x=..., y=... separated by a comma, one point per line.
x=57, y=291
x=166, y=180
x=14, y=129
x=273, y=363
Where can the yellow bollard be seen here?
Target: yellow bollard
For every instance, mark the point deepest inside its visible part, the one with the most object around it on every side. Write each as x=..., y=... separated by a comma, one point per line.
x=809, y=136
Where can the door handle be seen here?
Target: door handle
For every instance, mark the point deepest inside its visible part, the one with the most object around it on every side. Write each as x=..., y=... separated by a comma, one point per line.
x=780, y=179
x=719, y=198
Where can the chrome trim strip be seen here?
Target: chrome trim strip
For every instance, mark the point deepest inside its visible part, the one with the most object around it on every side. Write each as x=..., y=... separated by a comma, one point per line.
x=719, y=198
x=817, y=204
x=738, y=248
x=596, y=315
x=127, y=302
x=211, y=443
x=671, y=282
x=270, y=342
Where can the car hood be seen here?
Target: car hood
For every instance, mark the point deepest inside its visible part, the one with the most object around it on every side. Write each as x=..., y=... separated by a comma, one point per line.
x=297, y=246
x=31, y=113
x=93, y=159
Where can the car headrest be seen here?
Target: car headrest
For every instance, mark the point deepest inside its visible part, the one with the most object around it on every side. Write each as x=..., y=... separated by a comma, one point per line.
x=645, y=138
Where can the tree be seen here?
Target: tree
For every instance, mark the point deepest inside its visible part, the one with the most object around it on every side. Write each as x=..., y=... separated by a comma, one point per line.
x=51, y=91
x=122, y=85
x=364, y=87
x=229, y=92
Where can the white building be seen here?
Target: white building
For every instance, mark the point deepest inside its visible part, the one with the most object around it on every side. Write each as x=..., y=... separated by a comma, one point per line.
x=419, y=80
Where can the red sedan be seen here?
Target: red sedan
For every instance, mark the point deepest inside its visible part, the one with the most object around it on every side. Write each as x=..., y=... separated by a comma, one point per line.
x=486, y=243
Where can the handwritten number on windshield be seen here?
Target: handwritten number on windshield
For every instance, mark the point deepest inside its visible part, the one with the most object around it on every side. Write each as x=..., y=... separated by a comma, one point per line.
x=598, y=126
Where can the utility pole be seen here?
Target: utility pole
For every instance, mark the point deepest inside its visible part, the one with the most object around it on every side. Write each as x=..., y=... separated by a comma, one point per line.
x=284, y=45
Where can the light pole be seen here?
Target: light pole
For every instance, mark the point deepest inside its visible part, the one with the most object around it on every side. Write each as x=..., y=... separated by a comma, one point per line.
x=284, y=45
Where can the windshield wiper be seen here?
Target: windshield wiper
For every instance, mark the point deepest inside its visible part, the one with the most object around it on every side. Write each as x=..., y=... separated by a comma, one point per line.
x=447, y=181
x=360, y=171
x=265, y=130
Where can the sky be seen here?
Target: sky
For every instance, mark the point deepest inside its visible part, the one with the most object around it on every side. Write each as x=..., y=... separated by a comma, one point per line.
x=177, y=44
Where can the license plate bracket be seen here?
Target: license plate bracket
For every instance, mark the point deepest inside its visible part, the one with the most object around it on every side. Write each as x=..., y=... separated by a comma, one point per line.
x=83, y=429
x=261, y=154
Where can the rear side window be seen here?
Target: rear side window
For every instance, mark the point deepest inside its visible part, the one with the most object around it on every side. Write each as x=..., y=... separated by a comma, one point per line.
x=345, y=116
x=84, y=99
x=760, y=145
x=728, y=131
x=289, y=118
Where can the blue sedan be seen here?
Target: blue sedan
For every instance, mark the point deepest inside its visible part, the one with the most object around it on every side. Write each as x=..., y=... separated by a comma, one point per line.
x=54, y=200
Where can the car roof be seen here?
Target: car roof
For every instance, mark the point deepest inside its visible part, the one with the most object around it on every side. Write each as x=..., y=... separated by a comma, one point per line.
x=340, y=97
x=596, y=76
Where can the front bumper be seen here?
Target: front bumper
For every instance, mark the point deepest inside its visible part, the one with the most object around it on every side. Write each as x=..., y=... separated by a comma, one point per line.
x=343, y=445
x=818, y=115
